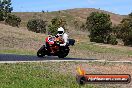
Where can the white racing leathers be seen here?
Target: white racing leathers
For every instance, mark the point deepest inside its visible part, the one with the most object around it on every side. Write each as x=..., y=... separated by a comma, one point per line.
x=65, y=37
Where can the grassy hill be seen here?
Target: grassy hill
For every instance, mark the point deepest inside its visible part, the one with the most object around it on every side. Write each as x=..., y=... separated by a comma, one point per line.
x=82, y=13
x=70, y=15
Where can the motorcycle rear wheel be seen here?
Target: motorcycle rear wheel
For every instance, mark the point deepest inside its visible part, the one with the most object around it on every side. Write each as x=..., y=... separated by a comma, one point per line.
x=61, y=56
x=63, y=53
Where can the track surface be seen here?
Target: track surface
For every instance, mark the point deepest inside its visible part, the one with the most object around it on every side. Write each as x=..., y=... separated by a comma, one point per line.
x=12, y=58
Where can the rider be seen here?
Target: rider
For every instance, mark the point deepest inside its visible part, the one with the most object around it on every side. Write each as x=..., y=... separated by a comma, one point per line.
x=64, y=36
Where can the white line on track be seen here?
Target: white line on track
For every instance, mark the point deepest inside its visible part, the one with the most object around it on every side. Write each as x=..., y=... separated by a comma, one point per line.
x=66, y=61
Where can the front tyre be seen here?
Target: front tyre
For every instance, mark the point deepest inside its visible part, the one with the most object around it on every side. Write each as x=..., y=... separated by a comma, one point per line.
x=39, y=54
x=41, y=51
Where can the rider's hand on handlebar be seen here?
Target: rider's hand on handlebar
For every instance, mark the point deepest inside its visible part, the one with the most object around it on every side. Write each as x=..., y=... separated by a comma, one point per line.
x=56, y=36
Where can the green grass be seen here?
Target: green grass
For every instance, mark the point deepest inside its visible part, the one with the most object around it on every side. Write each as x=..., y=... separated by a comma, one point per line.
x=36, y=75
x=18, y=51
x=101, y=49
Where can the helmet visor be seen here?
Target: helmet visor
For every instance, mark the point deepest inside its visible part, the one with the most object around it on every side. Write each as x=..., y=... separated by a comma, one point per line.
x=60, y=32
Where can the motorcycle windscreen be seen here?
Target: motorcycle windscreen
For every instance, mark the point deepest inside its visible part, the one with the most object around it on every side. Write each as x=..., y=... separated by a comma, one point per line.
x=51, y=40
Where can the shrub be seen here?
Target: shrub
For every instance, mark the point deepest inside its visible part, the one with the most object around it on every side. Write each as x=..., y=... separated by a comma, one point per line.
x=13, y=20
x=52, y=29
x=55, y=24
x=126, y=30
x=1, y=16
x=116, y=31
x=112, y=40
x=36, y=25
x=99, y=25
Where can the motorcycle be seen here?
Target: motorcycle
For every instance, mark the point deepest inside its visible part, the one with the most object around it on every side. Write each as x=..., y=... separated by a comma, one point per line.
x=52, y=47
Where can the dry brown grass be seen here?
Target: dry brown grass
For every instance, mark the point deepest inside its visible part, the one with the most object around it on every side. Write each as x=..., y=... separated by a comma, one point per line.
x=19, y=38
x=81, y=14
x=70, y=15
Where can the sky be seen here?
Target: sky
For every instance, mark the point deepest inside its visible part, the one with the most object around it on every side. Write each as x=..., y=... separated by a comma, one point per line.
x=122, y=7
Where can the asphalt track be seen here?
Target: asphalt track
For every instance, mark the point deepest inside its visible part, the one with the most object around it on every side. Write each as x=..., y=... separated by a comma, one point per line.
x=12, y=58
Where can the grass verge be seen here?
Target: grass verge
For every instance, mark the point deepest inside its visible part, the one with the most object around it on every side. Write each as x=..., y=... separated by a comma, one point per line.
x=57, y=75
x=99, y=49
x=18, y=51
x=36, y=75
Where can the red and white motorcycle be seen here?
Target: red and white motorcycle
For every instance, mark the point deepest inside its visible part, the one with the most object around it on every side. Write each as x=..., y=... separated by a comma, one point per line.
x=53, y=48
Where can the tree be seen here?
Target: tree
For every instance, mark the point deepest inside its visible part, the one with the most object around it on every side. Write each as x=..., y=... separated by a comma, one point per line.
x=126, y=30
x=5, y=14
x=13, y=20
x=5, y=7
x=99, y=25
x=1, y=16
x=43, y=11
x=37, y=25
x=116, y=31
x=55, y=24
x=1, y=13
x=130, y=15
x=111, y=39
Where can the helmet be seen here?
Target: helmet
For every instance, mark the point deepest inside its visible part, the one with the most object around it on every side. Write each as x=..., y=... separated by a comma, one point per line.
x=60, y=30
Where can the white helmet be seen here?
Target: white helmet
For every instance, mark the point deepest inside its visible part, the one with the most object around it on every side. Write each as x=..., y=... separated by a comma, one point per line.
x=60, y=30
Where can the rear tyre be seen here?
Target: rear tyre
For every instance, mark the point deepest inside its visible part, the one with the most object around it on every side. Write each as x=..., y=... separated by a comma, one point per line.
x=41, y=51
x=63, y=52
x=61, y=56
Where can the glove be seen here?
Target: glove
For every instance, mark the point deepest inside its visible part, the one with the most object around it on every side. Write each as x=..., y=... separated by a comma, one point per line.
x=56, y=36
x=63, y=44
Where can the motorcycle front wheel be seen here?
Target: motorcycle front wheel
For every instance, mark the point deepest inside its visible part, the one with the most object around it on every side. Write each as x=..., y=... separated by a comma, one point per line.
x=40, y=52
